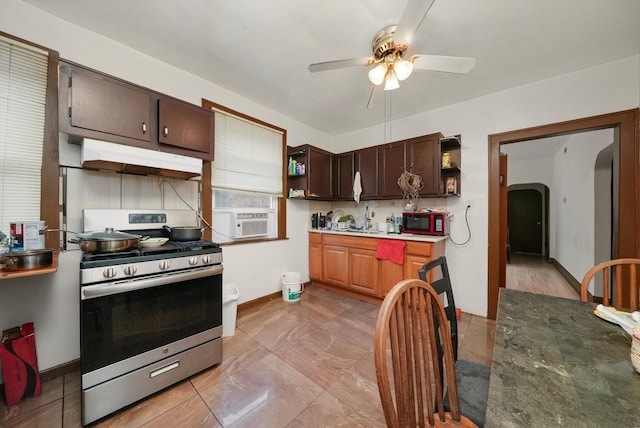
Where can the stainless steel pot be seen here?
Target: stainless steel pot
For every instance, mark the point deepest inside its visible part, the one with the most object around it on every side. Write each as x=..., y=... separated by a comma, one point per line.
x=185, y=233
x=27, y=259
x=109, y=241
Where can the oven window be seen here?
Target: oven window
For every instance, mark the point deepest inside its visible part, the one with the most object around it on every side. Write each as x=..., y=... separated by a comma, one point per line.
x=119, y=326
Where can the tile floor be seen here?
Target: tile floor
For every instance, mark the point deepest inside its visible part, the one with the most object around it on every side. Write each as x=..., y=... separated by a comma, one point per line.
x=298, y=364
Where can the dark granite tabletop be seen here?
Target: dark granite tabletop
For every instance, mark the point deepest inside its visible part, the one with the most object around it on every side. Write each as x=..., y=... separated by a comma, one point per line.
x=556, y=364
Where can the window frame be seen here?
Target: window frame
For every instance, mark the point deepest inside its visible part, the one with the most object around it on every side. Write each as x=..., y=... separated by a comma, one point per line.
x=207, y=191
x=50, y=172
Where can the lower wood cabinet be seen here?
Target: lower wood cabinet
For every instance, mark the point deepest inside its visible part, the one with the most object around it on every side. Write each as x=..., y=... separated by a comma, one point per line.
x=335, y=265
x=363, y=275
x=348, y=264
x=315, y=256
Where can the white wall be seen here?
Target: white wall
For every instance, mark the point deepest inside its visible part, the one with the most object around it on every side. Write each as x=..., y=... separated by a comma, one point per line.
x=603, y=89
x=574, y=202
x=51, y=301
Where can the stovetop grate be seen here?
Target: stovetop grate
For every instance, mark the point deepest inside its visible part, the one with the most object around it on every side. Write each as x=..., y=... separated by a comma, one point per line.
x=169, y=249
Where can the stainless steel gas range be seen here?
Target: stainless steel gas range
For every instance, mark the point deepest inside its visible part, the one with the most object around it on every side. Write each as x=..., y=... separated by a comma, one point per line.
x=149, y=317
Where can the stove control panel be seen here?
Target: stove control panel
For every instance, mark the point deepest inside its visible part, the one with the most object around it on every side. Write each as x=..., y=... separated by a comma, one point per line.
x=138, y=269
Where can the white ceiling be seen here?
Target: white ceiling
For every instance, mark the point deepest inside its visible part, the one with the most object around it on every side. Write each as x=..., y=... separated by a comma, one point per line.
x=260, y=49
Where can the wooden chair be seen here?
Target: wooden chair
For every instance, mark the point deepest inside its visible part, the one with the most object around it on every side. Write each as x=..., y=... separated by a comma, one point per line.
x=410, y=319
x=625, y=283
x=472, y=377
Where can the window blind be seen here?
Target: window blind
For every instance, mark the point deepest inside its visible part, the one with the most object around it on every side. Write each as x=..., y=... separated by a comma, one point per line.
x=23, y=84
x=248, y=157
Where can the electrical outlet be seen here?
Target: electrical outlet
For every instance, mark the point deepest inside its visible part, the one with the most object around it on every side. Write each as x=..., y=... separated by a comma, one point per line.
x=468, y=204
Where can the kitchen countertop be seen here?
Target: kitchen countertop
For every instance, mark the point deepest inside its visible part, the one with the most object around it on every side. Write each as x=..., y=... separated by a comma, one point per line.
x=556, y=364
x=382, y=235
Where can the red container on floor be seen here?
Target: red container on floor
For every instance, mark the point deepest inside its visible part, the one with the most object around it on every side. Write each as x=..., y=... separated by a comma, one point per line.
x=19, y=364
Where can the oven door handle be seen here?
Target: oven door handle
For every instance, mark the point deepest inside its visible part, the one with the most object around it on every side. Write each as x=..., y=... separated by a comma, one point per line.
x=99, y=290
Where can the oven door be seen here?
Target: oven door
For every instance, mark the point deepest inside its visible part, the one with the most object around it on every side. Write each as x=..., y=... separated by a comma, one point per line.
x=125, y=325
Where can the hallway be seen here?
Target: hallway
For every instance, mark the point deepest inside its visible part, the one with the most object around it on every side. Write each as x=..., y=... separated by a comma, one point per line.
x=533, y=274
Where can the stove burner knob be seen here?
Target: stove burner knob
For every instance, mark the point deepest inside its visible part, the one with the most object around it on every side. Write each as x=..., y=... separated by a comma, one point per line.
x=206, y=259
x=165, y=265
x=130, y=270
x=193, y=260
x=110, y=273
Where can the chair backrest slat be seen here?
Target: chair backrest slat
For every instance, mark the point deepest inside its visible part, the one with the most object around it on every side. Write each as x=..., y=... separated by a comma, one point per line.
x=625, y=291
x=410, y=324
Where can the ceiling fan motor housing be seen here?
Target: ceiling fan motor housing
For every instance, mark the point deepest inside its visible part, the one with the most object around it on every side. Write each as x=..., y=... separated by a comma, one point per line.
x=384, y=45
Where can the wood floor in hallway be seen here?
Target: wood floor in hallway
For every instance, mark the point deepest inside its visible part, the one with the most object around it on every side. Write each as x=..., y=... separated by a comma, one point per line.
x=534, y=274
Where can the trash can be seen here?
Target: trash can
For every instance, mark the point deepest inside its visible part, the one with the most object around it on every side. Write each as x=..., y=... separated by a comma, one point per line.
x=291, y=286
x=230, y=296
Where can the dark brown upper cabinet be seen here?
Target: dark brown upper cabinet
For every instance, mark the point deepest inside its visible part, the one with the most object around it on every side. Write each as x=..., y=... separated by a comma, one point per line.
x=391, y=163
x=380, y=167
x=344, y=175
x=184, y=125
x=99, y=106
x=423, y=159
x=451, y=161
x=317, y=180
x=366, y=162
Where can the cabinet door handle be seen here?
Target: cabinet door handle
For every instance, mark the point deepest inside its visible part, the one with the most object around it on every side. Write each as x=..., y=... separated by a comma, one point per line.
x=144, y=127
x=165, y=131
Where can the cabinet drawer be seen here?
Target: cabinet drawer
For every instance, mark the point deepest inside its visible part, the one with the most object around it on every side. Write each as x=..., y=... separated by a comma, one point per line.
x=419, y=248
x=315, y=238
x=351, y=241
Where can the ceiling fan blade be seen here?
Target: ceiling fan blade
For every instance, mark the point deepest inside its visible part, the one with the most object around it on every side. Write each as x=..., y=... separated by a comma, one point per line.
x=341, y=63
x=412, y=17
x=447, y=64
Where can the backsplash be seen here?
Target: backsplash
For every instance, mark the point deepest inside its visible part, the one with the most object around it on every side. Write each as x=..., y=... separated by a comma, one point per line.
x=381, y=208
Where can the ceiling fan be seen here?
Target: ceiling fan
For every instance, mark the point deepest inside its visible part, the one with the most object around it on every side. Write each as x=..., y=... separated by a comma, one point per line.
x=390, y=46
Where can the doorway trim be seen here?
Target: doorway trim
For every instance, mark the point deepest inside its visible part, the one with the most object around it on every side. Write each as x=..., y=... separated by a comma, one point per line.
x=625, y=124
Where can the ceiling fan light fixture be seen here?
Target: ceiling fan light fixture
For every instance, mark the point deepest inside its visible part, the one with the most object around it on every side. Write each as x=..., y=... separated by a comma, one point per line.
x=391, y=81
x=377, y=74
x=402, y=68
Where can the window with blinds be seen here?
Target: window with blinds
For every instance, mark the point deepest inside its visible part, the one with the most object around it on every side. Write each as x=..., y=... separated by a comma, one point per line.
x=248, y=157
x=23, y=84
x=247, y=178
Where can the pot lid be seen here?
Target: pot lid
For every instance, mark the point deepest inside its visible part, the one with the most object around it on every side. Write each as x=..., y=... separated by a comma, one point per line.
x=108, y=234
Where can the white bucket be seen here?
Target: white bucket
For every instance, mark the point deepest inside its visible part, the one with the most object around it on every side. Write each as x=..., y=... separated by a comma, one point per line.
x=292, y=286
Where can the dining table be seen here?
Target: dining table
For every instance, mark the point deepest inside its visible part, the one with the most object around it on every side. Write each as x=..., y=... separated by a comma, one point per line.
x=555, y=363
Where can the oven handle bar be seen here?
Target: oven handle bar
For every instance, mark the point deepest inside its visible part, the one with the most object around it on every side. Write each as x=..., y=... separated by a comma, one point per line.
x=100, y=290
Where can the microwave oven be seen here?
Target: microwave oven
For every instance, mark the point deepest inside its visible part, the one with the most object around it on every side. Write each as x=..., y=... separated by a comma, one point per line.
x=425, y=223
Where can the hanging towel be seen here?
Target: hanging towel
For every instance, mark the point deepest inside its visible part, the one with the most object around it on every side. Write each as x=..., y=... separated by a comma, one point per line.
x=357, y=187
x=388, y=249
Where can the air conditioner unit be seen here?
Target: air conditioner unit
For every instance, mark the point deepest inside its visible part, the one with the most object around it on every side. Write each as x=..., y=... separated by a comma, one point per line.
x=251, y=225
x=242, y=223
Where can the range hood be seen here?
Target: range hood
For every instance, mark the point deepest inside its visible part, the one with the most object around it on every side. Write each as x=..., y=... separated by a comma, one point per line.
x=122, y=158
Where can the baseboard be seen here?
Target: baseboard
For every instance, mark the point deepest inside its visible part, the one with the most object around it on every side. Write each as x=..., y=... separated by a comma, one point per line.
x=574, y=283
x=264, y=299
x=60, y=370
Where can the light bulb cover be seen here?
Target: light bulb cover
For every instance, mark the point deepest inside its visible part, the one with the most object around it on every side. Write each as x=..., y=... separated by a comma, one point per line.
x=376, y=74
x=391, y=81
x=402, y=68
